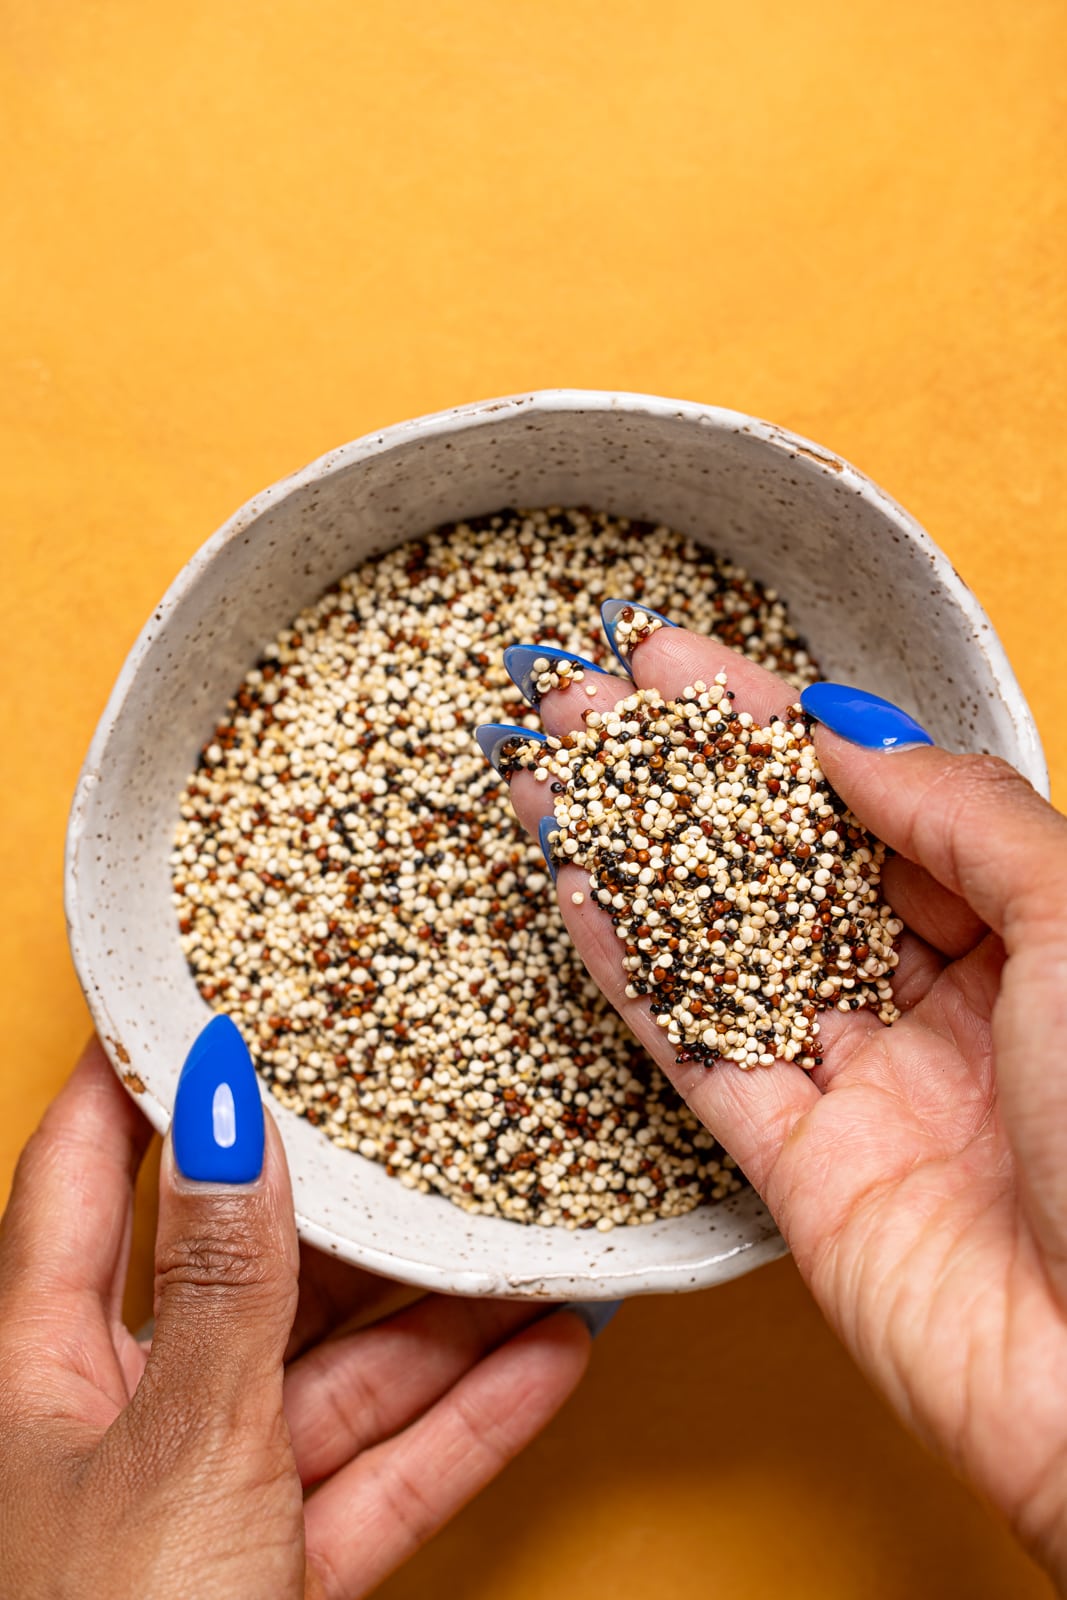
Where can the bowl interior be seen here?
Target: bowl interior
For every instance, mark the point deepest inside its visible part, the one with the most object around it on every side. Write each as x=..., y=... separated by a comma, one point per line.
x=879, y=604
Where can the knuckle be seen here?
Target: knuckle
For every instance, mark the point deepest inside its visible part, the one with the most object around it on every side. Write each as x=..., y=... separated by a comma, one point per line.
x=37, y=1155
x=411, y=1505
x=964, y=791
x=487, y=1435
x=988, y=782
x=984, y=797
x=204, y=1263
x=980, y=774
x=54, y=1149
x=35, y=1161
x=345, y=1411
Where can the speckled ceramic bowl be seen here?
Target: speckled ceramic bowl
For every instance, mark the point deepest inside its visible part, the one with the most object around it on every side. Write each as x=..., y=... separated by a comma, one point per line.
x=880, y=603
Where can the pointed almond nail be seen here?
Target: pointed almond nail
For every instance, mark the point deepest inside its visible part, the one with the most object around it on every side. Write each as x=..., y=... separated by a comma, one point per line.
x=525, y=663
x=612, y=612
x=217, y=1129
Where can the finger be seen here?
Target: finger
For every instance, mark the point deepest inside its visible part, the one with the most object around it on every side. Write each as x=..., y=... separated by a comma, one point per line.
x=351, y=1393
x=563, y=710
x=333, y=1298
x=226, y=1260
x=960, y=1006
x=65, y=1237
x=938, y=916
x=983, y=833
x=751, y=1118
x=335, y=1295
x=673, y=658
x=668, y=660
x=378, y=1510
x=975, y=824
x=918, y=969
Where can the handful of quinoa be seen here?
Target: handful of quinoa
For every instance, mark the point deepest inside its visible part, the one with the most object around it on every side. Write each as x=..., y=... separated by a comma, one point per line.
x=745, y=895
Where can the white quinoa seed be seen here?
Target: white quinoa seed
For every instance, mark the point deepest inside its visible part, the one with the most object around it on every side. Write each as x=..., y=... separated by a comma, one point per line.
x=556, y=674
x=632, y=626
x=354, y=891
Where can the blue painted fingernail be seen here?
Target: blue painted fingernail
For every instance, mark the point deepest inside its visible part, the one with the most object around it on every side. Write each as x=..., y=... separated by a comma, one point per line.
x=218, y=1116
x=494, y=738
x=525, y=663
x=863, y=718
x=614, y=612
x=546, y=826
x=596, y=1314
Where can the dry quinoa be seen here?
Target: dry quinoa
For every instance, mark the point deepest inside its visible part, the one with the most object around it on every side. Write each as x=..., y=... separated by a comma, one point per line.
x=745, y=894
x=354, y=891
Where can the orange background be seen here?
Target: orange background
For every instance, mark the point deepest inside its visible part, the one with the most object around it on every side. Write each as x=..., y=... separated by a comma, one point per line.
x=242, y=233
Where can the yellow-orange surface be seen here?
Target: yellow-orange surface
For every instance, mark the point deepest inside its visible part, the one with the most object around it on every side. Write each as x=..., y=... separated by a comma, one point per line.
x=234, y=235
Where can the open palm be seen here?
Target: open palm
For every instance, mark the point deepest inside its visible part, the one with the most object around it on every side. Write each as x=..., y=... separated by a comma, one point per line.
x=918, y=1174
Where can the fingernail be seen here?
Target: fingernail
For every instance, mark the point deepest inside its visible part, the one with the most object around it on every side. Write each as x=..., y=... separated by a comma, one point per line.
x=546, y=826
x=217, y=1128
x=596, y=1314
x=624, y=617
x=525, y=663
x=494, y=738
x=864, y=719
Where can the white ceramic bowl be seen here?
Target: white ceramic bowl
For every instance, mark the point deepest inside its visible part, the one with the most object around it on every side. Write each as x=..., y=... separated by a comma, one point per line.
x=878, y=601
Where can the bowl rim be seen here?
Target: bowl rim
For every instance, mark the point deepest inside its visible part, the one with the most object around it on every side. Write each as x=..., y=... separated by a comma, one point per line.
x=460, y=418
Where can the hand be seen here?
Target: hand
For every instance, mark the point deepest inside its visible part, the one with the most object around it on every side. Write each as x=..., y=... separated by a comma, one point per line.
x=920, y=1174
x=181, y=1469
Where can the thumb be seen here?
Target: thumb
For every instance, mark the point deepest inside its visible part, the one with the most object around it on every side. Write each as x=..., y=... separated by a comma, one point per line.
x=226, y=1249
x=982, y=833
x=973, y=822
